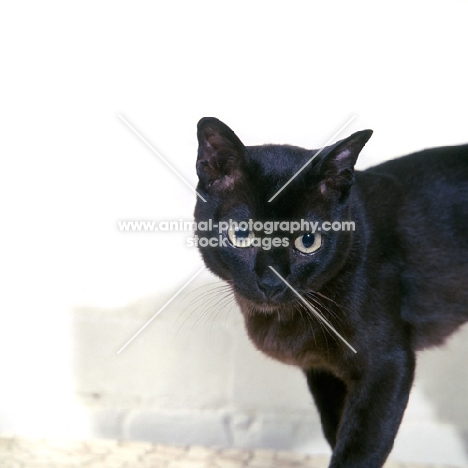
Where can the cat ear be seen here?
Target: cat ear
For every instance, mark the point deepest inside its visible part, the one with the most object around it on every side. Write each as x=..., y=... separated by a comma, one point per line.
x=337, y=165
x=221, y=155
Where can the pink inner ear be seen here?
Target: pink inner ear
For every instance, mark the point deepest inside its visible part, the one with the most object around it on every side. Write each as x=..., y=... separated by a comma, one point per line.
x=217, y=142
x=343, y=155
x=225, y=183
x=323, y=188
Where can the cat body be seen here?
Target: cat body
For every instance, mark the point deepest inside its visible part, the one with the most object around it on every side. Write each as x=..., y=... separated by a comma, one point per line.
x=393, y=285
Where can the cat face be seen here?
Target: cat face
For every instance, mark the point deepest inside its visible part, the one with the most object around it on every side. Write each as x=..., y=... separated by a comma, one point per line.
x=239, y=182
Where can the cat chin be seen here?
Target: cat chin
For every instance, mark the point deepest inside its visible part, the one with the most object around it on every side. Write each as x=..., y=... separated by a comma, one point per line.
x=249, y=307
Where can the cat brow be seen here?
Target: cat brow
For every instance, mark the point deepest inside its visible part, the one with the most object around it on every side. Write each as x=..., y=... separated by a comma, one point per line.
x=312, y=158
x=314, y=311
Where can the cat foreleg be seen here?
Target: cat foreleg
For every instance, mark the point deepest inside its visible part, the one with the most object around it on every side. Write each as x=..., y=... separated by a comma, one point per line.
x=372, y=412
x=329, y=394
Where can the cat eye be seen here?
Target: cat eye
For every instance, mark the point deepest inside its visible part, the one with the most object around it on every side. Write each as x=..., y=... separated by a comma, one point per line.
x=240, y=237
x=308, y=243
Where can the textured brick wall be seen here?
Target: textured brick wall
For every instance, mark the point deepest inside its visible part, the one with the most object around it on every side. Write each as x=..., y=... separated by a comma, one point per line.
x=192, y=377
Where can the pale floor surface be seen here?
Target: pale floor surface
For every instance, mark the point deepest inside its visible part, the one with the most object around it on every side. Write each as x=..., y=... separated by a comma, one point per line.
x=42, y=453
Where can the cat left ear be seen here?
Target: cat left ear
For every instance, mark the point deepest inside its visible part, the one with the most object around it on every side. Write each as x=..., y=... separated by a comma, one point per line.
x=337, y=166
x=221, y=155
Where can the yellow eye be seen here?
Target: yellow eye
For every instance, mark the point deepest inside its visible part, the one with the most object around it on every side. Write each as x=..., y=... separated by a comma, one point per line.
x=308, y=243
x=240, y=237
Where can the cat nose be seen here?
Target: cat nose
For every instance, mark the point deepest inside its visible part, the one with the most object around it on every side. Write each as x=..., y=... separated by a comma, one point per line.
x=271, y=285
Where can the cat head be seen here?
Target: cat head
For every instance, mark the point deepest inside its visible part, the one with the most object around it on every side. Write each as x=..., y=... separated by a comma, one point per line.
x=273, y=186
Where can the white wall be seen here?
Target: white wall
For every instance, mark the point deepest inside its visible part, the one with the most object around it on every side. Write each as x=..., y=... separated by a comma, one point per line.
x=74, y=288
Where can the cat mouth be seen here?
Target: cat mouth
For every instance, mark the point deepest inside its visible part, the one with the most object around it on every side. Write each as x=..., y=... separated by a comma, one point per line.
x=251, y=307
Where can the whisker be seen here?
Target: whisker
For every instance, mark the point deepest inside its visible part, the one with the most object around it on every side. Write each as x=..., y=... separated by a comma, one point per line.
x=325, y=330
x=215, y=308
x=204, y=312
x=341, y=316
x=302, y=308
x=337, y=318
x=202, y=296
x=208, y=297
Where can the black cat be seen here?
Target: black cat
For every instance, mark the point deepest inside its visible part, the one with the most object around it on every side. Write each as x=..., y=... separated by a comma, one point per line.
x=394, y=285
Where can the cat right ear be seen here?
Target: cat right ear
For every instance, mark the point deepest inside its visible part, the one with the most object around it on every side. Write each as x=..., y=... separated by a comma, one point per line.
x=221, y=155
x=337, y=164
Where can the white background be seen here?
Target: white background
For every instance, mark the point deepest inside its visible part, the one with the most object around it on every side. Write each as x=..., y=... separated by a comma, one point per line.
x=274, y=72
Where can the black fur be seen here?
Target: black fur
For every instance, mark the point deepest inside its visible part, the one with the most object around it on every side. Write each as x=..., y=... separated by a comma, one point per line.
x=395, y=285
